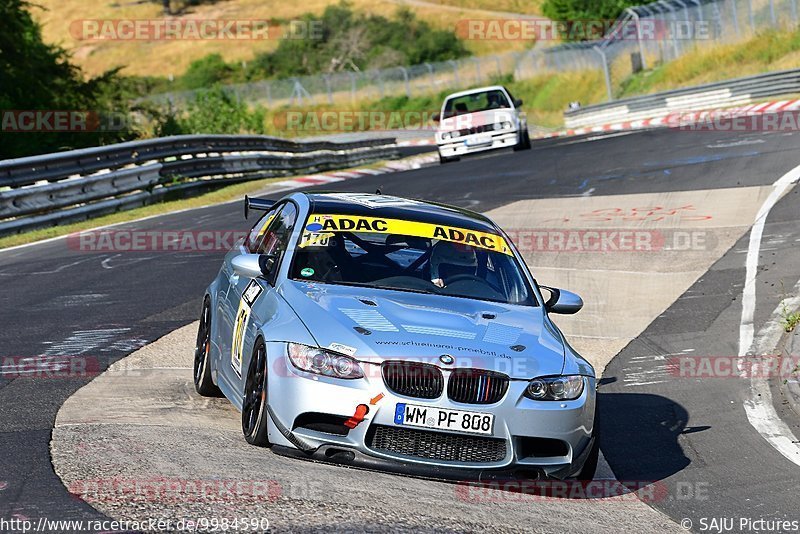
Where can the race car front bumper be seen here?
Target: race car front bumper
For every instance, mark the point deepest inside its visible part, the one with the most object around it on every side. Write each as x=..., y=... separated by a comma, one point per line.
x=353, y=422
x=477, y=143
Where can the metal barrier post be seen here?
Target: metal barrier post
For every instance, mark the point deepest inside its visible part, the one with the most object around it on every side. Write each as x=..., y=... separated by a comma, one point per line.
x=606, y=72
x=638, y=23
x=328, y=89
x=455, y=71
x=405, y=80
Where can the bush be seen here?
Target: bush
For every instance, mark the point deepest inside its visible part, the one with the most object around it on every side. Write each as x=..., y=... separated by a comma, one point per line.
x=585, y=10
x=212, y=111
x=206, y=72
x=353, y=42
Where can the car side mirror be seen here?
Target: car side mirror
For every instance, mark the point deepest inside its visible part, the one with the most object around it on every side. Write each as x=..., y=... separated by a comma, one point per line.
x=253, y=265
x=436, y=117
x=562, y=301
x=517, y=102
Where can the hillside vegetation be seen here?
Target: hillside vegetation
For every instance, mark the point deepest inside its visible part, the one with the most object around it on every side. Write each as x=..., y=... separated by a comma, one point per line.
x=61, y=20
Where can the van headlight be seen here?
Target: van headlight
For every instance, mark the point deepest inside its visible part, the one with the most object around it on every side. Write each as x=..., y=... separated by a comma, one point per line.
x=568, y=387
x=323, y=362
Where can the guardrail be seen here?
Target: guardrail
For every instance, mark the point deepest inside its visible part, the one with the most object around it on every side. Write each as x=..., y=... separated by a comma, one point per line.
x=728, y=93
x=53, y=189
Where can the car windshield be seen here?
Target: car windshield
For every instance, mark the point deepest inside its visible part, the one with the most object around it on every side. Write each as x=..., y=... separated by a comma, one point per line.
x=409, y=256
x=478, y=101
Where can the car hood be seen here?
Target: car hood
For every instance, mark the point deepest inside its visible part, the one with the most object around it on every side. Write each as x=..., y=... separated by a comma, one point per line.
x=514, y=340
x=479, y=118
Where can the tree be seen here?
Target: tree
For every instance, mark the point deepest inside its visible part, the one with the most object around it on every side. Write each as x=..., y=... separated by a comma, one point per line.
x=38, y=76
x=581, y=11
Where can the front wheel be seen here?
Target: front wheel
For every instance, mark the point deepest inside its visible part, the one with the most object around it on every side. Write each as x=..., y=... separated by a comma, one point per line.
x=254, y=409
x=524, y=141
x=443, y=159
x=589, y=468
x=203, y=383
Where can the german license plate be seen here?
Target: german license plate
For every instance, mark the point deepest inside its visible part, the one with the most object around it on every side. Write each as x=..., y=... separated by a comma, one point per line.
x=483, y=140
x=443, y=419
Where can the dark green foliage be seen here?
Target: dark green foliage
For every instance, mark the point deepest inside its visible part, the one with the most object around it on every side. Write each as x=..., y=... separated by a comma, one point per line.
x=581, y=11
x=212, y=111
x=340, y=40
x=38, y=76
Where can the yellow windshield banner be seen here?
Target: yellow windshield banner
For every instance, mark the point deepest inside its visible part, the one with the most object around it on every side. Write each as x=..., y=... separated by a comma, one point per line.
x=321, y=226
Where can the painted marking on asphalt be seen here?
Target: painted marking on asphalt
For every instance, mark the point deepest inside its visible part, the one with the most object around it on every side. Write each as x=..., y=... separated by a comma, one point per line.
x=759, y=409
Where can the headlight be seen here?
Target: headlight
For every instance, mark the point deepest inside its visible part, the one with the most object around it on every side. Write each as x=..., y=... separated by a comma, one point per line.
x=555, y=388
x=322, y=362
x=506, y=125
x=455, y=134
x=446, y=135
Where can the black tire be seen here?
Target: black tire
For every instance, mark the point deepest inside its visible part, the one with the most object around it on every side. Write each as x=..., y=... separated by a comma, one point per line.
x=524, y=142
x=589, y=468
x=254, y=408
x=203, y=382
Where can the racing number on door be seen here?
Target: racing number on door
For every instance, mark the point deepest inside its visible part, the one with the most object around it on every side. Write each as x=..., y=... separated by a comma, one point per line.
x=249, y=298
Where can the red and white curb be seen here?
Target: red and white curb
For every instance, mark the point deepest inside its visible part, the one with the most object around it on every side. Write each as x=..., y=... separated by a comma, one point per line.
x=677, y=119
x=414, y=162
x=417, y=142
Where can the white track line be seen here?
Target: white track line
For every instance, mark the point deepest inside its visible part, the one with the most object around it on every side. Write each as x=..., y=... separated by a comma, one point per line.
x=759, y=409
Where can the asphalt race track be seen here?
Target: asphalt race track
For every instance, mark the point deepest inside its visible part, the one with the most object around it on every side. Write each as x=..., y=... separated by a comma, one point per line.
x=694, y=437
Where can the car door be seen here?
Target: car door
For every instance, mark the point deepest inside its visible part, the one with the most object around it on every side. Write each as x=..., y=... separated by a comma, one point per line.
x=245, y=293
x=229, y=278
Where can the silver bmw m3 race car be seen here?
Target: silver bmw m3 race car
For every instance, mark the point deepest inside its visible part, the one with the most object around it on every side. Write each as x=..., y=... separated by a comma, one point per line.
x=396, y=334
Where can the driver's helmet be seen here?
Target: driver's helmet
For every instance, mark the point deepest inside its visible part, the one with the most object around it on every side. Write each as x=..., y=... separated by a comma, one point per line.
x=450, y=259
x=494, y=100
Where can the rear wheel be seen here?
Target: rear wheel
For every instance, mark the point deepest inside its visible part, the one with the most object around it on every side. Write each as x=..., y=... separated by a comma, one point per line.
x=254, y=408
x=203, y=383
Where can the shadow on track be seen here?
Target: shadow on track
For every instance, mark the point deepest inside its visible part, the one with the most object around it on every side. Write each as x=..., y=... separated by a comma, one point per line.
x=640, y=435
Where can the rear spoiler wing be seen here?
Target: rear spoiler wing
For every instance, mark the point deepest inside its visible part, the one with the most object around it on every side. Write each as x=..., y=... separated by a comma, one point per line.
x=259, y=204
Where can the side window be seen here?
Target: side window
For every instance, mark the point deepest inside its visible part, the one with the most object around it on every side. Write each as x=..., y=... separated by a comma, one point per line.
x=276, y=238
x=511, y=97
x=256, y=235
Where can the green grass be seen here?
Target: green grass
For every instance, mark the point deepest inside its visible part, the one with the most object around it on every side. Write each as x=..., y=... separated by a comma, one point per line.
x=772, y=50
